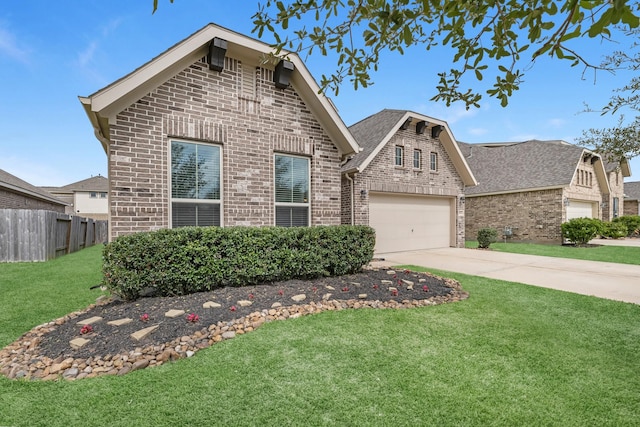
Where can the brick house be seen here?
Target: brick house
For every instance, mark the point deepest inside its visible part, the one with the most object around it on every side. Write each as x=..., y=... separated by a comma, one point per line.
x=87, y=198
x=407, y=183
x=528, y=189
x=632, y=198
x=212, y=132
x=18, y=194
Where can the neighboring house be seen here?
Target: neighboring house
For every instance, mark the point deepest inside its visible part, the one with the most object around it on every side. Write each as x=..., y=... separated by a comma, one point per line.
x=632, y=198
x=408, y=182
x=211, y=132
x=526, y=190
x=86, y=198
x=18, y=194
x=613, y=203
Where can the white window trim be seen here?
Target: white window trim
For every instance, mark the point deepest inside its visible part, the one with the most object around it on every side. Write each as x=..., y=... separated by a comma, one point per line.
x=169, y=172
x=431, y=155
x=289, y=204
x=395, y=156
x=419, y=167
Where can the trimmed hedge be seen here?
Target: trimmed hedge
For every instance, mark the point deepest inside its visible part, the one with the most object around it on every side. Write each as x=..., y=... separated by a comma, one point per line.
x=614, y=230
x=632, y=222
x=581, y=230
x=195, y=259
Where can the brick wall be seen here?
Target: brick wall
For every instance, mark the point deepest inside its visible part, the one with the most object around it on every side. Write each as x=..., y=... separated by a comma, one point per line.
x=240, y=110
x=533, y=215
x=382, y=176
x=632, y=207
x=11, y=200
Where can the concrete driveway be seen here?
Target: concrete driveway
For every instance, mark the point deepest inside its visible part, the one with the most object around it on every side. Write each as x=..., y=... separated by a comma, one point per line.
x=618, y=282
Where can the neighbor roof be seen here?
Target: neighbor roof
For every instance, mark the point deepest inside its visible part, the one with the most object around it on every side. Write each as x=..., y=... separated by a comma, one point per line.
x=95, y=183
x=15, y=184
x=632, y=190
x=529, y=165
x=373, y=133
x=103, y=106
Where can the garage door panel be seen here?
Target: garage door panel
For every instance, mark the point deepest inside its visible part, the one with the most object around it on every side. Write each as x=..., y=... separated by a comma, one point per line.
x=580, y=209
x=410, y=222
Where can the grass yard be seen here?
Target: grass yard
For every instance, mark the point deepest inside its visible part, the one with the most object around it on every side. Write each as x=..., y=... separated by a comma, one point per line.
x=618, y=254
x=510, y=355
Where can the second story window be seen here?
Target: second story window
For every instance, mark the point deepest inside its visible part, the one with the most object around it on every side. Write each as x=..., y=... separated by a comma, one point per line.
x=399, y=158
x=433, y=162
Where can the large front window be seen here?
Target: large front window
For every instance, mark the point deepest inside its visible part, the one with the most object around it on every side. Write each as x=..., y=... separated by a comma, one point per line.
x=292, y=191
x=195, y=184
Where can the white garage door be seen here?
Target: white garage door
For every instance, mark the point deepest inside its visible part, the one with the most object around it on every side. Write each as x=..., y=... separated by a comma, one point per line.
x=580, y=209
x=404, y=223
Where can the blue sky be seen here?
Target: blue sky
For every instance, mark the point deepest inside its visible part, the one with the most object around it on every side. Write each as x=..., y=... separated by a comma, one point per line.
x=53, y=52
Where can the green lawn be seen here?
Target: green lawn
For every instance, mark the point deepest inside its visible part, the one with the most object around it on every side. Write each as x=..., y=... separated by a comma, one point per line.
x=510, y=355
x=619, y=254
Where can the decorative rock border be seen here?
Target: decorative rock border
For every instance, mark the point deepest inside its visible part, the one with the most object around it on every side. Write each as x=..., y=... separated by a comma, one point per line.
x=20, y=360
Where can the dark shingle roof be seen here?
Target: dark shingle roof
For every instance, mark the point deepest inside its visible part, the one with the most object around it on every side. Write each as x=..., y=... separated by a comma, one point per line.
x=521, y=166
x=632, y=190
x=370, y=132
x=14, y=183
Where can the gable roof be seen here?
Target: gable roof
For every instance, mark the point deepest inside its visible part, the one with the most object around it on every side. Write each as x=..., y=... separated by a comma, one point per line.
x=623, y=164
x=95, y=183
x=15, y=184
x=103, y=106
x=373, y=133
x=632, y=190
x=529, y=165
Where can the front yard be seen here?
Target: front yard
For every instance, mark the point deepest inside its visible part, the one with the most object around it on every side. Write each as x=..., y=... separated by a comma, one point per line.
x=617, y=254
x=509, y=355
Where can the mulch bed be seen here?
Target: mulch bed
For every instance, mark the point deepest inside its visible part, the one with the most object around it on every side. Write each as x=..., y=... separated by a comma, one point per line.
x=45, y=352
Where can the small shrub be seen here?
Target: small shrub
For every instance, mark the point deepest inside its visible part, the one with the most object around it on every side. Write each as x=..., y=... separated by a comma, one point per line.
x=632, y=222
x=581, y=230
x=195, y=259
x=487, y=236
x=614, y=230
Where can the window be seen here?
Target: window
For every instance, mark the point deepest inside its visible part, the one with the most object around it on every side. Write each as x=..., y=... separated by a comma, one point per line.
x=103, y=195
x=93, y=195
x=292, y=191
x=399, y=159
x=195, y=184
x=417, y=159
x=433, y=162
x=616, y=207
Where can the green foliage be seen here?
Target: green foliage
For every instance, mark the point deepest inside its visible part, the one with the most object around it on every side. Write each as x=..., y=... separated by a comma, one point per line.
x=581, y=230
x=632, y=222
x=487, y=236
x=485, y=37
x=194, y=259
x=614, y=230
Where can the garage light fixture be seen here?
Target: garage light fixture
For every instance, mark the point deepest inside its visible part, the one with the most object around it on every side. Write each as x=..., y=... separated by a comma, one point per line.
x=363, y=194
x=217, y=51
x=566, y=201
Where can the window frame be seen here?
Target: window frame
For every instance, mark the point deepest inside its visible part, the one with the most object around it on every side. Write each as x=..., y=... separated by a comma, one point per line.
x=219, y=201
x=277, y=204
x=419, y=159
x=433, y=161
x=399, y=149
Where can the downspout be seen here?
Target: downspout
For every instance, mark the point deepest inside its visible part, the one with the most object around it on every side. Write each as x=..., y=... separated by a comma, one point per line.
x=352, y=197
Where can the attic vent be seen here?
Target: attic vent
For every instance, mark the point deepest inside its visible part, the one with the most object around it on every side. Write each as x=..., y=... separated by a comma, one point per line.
x=248, y=82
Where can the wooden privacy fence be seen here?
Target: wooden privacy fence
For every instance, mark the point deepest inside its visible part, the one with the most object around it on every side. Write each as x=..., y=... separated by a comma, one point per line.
x=36, y=235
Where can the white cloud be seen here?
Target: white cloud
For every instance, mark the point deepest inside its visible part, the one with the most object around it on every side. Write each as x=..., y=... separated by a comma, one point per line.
x=86, y=59
x=478, y=131
x=556, y=123
x=10, y=46
x=35, y=173
x=86, y=56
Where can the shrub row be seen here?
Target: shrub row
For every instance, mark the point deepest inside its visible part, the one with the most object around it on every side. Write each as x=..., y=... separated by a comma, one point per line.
x=194, y=259
x=581, y=230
